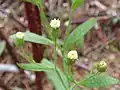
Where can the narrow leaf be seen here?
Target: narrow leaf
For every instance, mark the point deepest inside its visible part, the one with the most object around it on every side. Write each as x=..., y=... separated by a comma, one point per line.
x=34, y=38
x=99, y=81
x=76, y=3
x=78, y=34
x=35, y=67
x=2, y=47
x=53, y=76
x=48, y=68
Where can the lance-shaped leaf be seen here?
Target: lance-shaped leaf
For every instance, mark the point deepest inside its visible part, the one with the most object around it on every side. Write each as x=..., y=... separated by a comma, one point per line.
x=74, y=39
x=34, y=38
x=54, y=77
x=101, y=80
x=48, y=68
x=35, y=67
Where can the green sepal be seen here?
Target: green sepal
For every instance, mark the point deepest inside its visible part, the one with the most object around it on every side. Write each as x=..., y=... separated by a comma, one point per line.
x=55, y=33
x=19, y=42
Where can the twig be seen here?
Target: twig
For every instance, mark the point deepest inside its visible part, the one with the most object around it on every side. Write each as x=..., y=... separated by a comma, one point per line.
x=99, y=18
x=14, y=17
x=82, y=66
x=3, y=85
x=99, y=5
x=8, y=68
x=10, y=48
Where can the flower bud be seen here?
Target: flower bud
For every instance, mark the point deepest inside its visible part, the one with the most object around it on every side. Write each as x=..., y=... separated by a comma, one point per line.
x=72, y=55
x=19, y=39
x=102, y=66
x=19, y=35
x=55, y=23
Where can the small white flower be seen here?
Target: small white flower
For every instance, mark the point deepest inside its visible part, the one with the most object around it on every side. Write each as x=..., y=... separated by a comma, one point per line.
x=103, y=63
x=55, y=23
x=66, y=23
x=19, y=35
x=72, y=55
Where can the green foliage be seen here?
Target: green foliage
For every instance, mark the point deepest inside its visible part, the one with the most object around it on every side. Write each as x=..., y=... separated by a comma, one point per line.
x=34, y=38
x=2, y=47
x=48, y=68
x=76, y=4
x=98, y=80
x=62, y=80
x=76, y=37
x=35, y=2
x=35, y=67
x=45, y=23
x=53, y=76
x=45, y=65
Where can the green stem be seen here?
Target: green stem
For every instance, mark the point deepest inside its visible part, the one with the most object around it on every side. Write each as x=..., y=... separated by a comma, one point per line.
x=55, y=59
x=55, y=53
x=70, y=73
x=68, y=27
x=73, y=86
x=26, y=56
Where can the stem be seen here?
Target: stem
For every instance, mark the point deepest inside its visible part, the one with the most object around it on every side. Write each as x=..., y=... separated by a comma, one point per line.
x=26, y=56
x=35, y=26
x=55, y=53
x=68, y=27
x=55, y=59
x=73, y=86
x=70, y=73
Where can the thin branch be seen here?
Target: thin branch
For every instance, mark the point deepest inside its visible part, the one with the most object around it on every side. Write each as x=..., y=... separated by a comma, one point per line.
x=10, y=48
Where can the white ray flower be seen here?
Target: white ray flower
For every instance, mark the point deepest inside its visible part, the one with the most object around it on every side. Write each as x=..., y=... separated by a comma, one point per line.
x=55, y=23
x=19, y=35
x=73, y=55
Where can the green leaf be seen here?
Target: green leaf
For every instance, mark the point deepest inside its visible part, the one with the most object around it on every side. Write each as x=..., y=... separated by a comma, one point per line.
x=80, y=43
x=76, y=3
x=48, y=68
x=53, y=76
x=96, y=80
x=35, y=67
x=34, y=38
x=76, y=37
x=2, y=47
x=44, y=20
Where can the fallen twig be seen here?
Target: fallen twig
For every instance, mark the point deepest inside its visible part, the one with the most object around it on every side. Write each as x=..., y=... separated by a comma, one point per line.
x=10, y=48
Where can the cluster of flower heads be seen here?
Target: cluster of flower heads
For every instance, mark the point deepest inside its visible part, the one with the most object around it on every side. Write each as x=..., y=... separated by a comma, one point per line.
x=72, y=55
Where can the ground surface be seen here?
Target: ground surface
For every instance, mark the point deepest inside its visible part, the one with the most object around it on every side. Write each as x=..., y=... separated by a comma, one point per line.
x=97, y=42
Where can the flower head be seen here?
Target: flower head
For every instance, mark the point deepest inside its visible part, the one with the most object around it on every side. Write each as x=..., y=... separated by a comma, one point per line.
x=102, y=63
x=66, y=23
x=55, y=23
x=102, y=66
x=72, y=55
x=19, y=35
